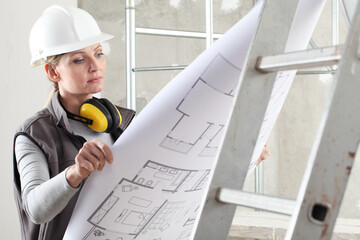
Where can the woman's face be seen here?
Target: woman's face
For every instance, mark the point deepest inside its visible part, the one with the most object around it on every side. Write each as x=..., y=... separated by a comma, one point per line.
x=81, y=72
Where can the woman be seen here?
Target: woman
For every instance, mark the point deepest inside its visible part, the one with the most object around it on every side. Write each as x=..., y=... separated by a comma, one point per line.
x=54, y=151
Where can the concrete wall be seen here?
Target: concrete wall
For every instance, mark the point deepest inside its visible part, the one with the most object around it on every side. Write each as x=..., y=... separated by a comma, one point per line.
x=24, y=90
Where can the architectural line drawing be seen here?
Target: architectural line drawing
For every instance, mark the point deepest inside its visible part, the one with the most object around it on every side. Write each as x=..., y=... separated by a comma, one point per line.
x=133, y=207
x=214, y=87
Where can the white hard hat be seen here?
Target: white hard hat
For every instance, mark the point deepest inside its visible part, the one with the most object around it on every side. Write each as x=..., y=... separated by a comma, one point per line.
x=61, y=30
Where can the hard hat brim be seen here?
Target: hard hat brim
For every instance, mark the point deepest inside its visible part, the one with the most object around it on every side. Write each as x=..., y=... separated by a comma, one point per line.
x=62, y=49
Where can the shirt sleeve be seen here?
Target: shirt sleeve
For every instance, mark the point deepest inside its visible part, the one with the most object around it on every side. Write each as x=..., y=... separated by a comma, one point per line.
x=43, y=197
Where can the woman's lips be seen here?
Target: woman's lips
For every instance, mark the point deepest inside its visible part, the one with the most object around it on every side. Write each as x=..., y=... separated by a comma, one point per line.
x=94, y=80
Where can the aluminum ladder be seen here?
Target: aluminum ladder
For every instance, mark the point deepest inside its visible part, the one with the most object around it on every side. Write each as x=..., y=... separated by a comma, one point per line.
x=317, y=206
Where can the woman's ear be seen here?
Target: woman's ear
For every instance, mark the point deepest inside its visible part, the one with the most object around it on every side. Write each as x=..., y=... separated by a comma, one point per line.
x=51, y=72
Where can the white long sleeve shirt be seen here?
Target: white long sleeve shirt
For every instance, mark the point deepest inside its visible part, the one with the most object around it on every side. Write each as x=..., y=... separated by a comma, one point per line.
x=43, y=198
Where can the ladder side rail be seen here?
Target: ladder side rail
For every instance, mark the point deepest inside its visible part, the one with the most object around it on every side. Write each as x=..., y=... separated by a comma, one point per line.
x=249, y=110
x=333, y=153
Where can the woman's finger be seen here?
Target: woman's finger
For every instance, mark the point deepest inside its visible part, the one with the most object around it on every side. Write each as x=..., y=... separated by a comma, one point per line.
x=105, y=149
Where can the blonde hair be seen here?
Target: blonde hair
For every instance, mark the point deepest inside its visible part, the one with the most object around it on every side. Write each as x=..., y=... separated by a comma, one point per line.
x=54, y=61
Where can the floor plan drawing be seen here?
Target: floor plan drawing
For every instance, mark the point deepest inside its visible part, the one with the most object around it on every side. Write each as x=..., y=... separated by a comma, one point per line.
x=134, y=208
x=214, y=87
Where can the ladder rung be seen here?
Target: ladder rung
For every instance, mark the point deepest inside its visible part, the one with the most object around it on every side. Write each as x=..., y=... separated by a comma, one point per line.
x=302, y=59
x=258, y=201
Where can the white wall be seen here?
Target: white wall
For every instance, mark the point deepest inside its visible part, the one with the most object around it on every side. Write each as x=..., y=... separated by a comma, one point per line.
x=23, y=91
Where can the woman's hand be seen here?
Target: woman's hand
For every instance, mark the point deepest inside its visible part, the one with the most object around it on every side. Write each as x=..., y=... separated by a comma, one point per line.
x=264, y=154
x=92, y=156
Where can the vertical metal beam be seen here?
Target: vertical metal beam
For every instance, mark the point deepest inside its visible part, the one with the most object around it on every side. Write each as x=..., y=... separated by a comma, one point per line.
x=209, y=23
x=259, y=180
x=259, y=170
x=333, y=154
x=130, y=55
x=335, y=22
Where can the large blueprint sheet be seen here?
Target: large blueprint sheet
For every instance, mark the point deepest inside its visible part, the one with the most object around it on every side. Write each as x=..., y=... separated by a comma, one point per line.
x=164, y=161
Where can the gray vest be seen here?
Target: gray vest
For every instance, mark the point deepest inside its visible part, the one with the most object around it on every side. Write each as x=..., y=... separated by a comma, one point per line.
x=48, y=129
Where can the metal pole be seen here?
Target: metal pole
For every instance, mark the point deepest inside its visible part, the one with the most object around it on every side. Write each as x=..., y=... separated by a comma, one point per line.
x=209, y=23
x=259, y=170
x=335, y=22
x=130, y=55
x=160, y=68
x=173, y=33
x=259, y=180
x=316, y=72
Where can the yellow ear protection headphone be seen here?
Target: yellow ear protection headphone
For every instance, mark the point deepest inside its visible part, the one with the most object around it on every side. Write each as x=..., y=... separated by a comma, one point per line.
x=99, y=114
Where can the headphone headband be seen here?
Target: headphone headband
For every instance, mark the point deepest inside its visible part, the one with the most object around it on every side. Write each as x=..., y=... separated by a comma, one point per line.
x=79, y=118
x=98, y=114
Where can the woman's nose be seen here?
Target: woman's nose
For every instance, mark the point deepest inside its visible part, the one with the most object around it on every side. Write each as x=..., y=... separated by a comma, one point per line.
x=93, y=64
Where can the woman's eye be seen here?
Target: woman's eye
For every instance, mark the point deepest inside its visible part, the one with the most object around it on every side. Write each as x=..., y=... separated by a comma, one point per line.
x=80, y=60
x=100, y=54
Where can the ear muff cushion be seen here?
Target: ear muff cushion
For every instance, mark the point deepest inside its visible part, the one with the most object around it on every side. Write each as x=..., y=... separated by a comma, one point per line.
x=96, y=111
x=114, y=112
